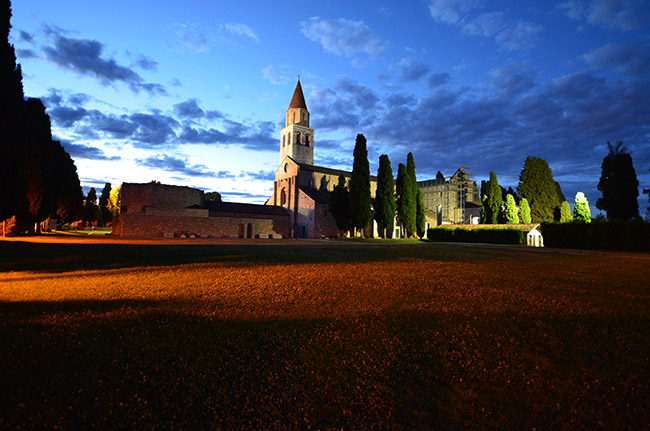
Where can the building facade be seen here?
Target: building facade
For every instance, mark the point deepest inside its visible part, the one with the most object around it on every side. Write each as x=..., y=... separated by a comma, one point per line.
x=452, y=200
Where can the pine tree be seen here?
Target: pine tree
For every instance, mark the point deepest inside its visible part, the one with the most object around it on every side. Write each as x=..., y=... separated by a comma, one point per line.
x=420, y=215
x=537, y=185
x=339, y=205
x=524, y=211
x=360, y=186
x=494, y=199
x=385, y=197
x=581, y=211
x=618, y=184
x=511, y=210
x=565, y=213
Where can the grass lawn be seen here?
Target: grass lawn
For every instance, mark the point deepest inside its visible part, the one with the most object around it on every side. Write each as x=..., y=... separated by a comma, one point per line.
x=321, y=335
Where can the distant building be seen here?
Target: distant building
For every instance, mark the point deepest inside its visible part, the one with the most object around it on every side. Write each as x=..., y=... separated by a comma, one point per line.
x=160, y=210
x=452, y=200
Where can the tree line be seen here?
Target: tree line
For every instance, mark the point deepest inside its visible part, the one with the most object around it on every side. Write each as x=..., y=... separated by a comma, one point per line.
x=38, y=178
x=395, y=199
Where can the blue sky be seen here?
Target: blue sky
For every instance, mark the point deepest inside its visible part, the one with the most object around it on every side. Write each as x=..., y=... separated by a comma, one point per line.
x=194, y=93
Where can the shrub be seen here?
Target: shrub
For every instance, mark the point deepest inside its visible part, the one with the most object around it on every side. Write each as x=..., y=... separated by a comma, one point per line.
x=611, y=235
x=483, y=235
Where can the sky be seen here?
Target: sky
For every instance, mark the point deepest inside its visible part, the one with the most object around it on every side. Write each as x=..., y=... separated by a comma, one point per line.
x=194, y=93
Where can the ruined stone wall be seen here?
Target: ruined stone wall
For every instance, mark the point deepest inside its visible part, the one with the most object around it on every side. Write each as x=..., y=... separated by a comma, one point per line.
x=139, y=198
x=144, y=225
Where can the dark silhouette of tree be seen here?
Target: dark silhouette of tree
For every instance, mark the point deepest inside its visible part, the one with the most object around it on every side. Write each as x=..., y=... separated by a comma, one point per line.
x=213, y=197
x=12, y=106
x=90, y=207
x=420, y=214
x=339, y=205
x=385, y=205
x=618, y=184
x=494, y=199
x=104, y=215
x=647, y=216
x=406, y=200
x=439, y=176
x=67, y=189
x=360, y=186
x=537, y=185
x=411, y=226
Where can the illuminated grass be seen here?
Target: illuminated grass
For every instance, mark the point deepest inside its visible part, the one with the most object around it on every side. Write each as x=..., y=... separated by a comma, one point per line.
x=316, y=335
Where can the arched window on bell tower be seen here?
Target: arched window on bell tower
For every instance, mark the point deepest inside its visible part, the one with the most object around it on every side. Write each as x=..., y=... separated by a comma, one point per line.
x=298, y=138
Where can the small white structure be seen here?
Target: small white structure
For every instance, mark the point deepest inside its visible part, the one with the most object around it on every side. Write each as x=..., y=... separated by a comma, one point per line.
x=534, y=236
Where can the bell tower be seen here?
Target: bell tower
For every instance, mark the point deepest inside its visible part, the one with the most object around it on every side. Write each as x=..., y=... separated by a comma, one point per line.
x=297, y=138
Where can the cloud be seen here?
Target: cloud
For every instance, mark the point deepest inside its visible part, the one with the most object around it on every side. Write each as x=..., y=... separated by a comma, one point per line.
x=276, y=75
x=624, y=15
x=241, y=30
x=437, y=79
x=175, y=165
x=24, y=54
x=486, y=24
x=344, y=37
x=519, y=36
x=412, y=69
x=629, y=59
x=259, y=175
x=84, y=56
x=26, y=37
x=192, y=39
x=80, y=151
x=450, y=11
x=189, y=109
x=146, y=63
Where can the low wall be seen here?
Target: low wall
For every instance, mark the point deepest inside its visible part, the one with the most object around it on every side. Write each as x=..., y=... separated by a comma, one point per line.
x=144, y=225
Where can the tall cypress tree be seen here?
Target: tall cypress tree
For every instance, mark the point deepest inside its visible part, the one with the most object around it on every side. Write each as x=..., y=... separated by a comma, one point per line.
x=524, y=211
x=512, y=213
x=494, y=199
x=339, y=205
x=405, y=200
x=90, y=207
x=385, y=197
x=104, y=216
x=420, y=214
x=412, y=186
x=618, y=184
x=12, y=106
x=360, y=186
x=536, y=184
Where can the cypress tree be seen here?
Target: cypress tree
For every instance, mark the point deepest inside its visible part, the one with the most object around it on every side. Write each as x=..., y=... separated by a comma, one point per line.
x=494, y=199
x=339, y=205
x=69, y=196
x=90, y=207
x=565, y=213
x=104, y=216
x=581, y=211
x=405, y=200
x=524, y=211
x=412, y=185
x=618, y=184
x=12, y=107
x=511, y=211
x=536, y=184
x=420, y=215
x=385, y=197
x=360, y=186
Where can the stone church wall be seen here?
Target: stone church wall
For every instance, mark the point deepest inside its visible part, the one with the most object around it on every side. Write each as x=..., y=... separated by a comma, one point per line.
x=146, y=225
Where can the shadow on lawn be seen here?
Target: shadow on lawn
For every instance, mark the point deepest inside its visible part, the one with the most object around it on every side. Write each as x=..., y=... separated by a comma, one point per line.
x=154, y=364
x=64, y=257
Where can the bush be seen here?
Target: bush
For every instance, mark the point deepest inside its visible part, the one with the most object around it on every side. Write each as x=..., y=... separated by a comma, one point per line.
x=489, y=236
x=610, y=235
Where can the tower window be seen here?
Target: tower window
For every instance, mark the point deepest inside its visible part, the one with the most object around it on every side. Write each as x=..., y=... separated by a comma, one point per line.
x=298, y=138
x=307, y=139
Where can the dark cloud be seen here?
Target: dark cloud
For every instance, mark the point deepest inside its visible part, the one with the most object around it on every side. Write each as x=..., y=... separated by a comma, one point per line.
x=80, y=151
x=629, y=59
x=176, y=165
x=146, y=63
x=437, y=79
x=153, y=129
x=412, y=69
x=64, y=116
x=84, y=56
x=26, y=37
x=624, y=15
x=189, y=109
x=24, y=54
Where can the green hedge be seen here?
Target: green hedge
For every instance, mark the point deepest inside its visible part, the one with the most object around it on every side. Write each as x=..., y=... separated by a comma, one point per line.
x=483, y=235
x=611, y=235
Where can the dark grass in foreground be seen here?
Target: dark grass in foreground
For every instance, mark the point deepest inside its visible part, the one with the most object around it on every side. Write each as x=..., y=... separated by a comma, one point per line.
x=322, y=336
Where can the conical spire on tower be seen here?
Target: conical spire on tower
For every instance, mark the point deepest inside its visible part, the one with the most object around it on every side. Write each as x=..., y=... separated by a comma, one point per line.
x=298, y=99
